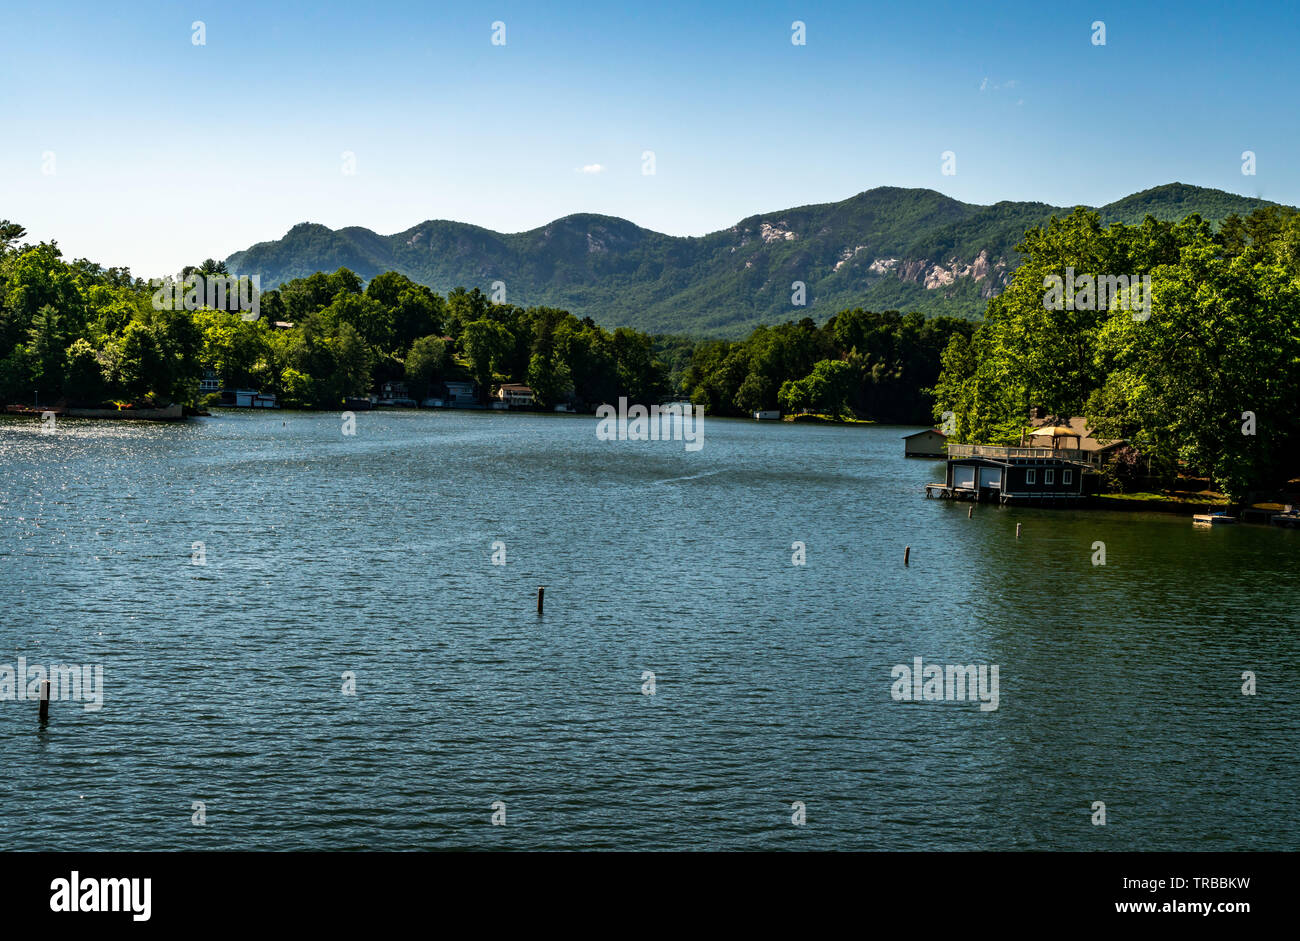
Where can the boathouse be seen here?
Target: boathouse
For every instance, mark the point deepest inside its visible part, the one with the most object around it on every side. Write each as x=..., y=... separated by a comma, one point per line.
x=927, y=443
x=515, y=395
x=461, y=394
x=1049, y=475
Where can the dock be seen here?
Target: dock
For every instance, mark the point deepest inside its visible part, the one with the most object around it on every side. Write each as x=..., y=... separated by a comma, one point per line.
x=944, y=492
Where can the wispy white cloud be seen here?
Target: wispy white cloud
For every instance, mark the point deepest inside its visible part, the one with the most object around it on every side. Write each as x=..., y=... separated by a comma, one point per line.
x=592, y=169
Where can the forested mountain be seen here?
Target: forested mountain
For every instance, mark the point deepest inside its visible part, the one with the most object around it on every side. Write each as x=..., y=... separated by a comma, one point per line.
x=883, y=249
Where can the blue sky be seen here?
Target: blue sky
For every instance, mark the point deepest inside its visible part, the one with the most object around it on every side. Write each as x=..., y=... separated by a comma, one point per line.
x=165, y=152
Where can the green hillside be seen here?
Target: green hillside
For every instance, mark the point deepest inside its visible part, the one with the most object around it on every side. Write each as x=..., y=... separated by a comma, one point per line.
x=886, y=248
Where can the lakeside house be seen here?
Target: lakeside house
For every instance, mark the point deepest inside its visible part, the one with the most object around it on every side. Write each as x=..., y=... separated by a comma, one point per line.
x=461, y=394
x=515, y=395
x=251, y=398
x=1053, y=469
x=210, y=382
x=453, y=393
x=394, y=393
x=928, y=443
x=1076, y=428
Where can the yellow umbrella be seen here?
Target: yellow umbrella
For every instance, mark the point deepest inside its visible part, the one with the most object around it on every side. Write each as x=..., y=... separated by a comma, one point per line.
x=1056, y=432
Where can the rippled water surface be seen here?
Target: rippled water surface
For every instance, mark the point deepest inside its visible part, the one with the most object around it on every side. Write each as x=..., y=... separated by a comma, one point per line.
x=372, y=554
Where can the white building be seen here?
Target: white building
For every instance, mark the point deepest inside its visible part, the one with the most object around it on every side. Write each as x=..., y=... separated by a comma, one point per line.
x=515, y=395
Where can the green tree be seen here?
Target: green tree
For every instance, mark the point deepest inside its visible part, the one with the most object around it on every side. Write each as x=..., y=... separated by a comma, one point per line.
x=353, y=363
x=641, y=377
x=140, y=363
x=486, y=343
x=46, y=347
x=84, y=383
x=549, y=379
x=427, y=363
x=10, y=232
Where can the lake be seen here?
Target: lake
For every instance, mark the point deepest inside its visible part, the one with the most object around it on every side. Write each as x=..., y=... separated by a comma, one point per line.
x=332, y=560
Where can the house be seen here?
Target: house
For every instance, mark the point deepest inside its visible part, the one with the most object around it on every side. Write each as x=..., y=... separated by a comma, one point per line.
x=1036, y=475
x=1074, y=428
x=250, y=398
x=515, y=395
x=393, y=392
x=210, y=382
x=461, y=394
x=928, y=443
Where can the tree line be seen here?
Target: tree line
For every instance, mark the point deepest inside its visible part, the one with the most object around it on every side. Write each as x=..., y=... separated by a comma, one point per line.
x=78, y=333
x=859, y=363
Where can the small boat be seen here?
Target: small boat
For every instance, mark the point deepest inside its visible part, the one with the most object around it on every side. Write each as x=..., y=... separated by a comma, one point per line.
x=1213, y=519
x=1290, y=519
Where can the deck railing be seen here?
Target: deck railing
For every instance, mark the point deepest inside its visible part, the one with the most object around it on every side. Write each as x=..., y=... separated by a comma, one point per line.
x=999, y=453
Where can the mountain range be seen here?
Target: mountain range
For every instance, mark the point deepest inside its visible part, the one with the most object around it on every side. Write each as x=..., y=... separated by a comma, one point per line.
x=884, y=249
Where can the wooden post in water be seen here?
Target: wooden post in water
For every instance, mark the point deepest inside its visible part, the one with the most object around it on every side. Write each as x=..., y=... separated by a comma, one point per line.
x=907, y=554
x=970, y=513
x=1017, y=530
x=45, y=700
x=541, y=593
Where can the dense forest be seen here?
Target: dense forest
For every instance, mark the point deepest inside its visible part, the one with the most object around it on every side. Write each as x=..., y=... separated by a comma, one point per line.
x=877, y=365
x=76, y=333
x=1208, y=383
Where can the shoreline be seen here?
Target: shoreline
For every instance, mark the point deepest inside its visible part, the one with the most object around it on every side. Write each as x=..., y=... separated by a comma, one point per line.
x=173, y=412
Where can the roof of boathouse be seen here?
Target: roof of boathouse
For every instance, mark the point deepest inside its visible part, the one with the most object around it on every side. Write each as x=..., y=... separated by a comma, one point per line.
x=1071, y=427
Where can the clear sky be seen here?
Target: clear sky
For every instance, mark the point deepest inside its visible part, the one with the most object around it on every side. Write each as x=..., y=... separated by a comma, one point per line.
x=165, y=152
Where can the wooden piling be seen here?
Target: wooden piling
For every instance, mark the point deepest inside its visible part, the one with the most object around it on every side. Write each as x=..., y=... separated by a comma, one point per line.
x=907, y=554
x=45, y=700
x=541, y=594
x=1017, y=530
x=970, y=512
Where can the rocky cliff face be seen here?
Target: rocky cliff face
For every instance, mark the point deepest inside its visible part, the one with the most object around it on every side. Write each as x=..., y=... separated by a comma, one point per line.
x=992, y=276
